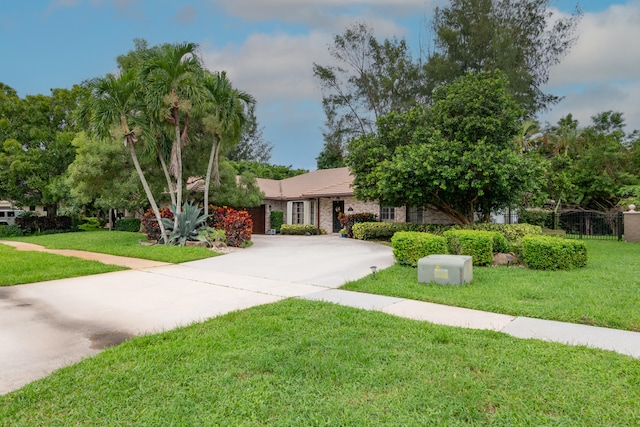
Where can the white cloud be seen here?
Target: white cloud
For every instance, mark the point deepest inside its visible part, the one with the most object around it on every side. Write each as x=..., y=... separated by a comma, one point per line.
x=273, y=68
x=598, y=98
x=607, y=48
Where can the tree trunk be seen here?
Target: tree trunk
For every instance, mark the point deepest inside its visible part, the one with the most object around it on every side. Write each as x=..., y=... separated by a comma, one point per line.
x=147, y=191
x=178, y=166
x=170, y=188
x=207, y=179
x=216, y=167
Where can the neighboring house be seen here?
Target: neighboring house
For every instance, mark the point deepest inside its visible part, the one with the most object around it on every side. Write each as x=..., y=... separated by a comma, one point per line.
x=318, y=198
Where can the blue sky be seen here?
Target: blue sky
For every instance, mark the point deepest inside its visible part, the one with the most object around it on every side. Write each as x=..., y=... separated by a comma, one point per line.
x=268, y=48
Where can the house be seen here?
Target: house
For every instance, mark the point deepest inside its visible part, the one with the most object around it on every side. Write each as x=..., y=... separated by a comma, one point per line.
x=318, y=197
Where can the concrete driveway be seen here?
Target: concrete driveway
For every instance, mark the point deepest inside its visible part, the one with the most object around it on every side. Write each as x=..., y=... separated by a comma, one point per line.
x=48, y=325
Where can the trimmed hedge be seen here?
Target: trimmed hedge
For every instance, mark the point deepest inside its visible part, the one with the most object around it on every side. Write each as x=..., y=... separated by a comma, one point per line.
x=385, y=230
x=513, y=232
x=553, y=253
x=10, y=231
x=127, y=224
x=298, y=229
x=476, y=243
x=410, y=246
x=30, y=224
x=276, y=219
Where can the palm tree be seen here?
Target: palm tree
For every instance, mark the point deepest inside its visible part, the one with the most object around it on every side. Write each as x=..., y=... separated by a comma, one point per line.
x=225, y=122
x=111, y=110
x=528, y=133
x=172, y=77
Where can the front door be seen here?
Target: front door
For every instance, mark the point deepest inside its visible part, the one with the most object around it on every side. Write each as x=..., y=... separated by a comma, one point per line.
x=338, y=207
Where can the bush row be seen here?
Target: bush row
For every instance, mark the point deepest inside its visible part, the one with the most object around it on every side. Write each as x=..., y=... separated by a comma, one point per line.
x=127, y=224
x=536, y=251
x=385, y=230
x=31, y=224
x=298, y=229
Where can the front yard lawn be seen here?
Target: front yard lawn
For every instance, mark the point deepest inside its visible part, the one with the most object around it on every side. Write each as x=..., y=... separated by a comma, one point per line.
x=302, y=363
x=605, y=293
x=18, y=267
x=119, y=243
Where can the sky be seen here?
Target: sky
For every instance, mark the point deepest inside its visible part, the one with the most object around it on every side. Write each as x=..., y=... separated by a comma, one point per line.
x=268, y=48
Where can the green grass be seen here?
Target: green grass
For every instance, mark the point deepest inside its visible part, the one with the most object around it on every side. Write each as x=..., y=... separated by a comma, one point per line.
x=301, y=363
x=605, y=293
x=18, y=267
x=120, y=243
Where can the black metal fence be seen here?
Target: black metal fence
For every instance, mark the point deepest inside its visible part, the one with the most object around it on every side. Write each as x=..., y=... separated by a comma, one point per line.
x=577, y=224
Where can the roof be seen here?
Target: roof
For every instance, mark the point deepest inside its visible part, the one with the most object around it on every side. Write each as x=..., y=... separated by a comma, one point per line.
x=320, y=183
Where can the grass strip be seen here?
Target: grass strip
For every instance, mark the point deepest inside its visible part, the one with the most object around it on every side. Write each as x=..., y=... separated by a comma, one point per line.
x=19, y=267
x=298, y=363
x=119, y=243
x=605, y=293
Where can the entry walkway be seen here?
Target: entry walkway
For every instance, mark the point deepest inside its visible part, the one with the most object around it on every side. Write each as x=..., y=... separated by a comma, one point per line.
x=47, y=325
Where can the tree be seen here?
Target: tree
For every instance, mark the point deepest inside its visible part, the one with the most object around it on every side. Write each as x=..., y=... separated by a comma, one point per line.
x=225, y=121
x=35, y=145
x=602, y=165
x=523, y=38
x=265, y=170
x=458, y=156
x=252, y=146
x=172, y=76
x=372, y=79
x=115, y=109
x=102, y=176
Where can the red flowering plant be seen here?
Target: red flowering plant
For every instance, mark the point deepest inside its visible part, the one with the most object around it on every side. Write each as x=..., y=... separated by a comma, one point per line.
x=150, y=224
x=237, y=225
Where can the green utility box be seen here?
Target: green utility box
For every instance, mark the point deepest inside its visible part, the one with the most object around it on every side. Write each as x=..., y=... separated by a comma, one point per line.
x=445, y=269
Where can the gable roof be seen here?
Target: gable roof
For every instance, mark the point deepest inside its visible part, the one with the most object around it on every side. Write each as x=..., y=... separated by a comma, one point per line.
x=320, y=183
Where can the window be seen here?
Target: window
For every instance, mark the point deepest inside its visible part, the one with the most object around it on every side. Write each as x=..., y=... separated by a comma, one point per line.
x=387, y=214
x=11, y=214
x=1, y=214
x=312, y=214
x=416, y=215
x=297, y=213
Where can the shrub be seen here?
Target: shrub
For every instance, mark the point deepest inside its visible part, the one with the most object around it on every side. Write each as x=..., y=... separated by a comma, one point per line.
x=410, y=246
x=89, y=224
x=513, y=232
x=500, y=243
x=276, y=218
x=347, y=221
x=10, y=231
x=539, y=217
x=377, y=230
x=385, y=230
x=237, y=225
x=553, y=253
x=150, y=224
x=127, y=224
x=32, y=223
x=299, y=229
x=476, y=243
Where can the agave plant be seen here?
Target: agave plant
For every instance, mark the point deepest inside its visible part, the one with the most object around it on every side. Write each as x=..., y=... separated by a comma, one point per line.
x=190, y=221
